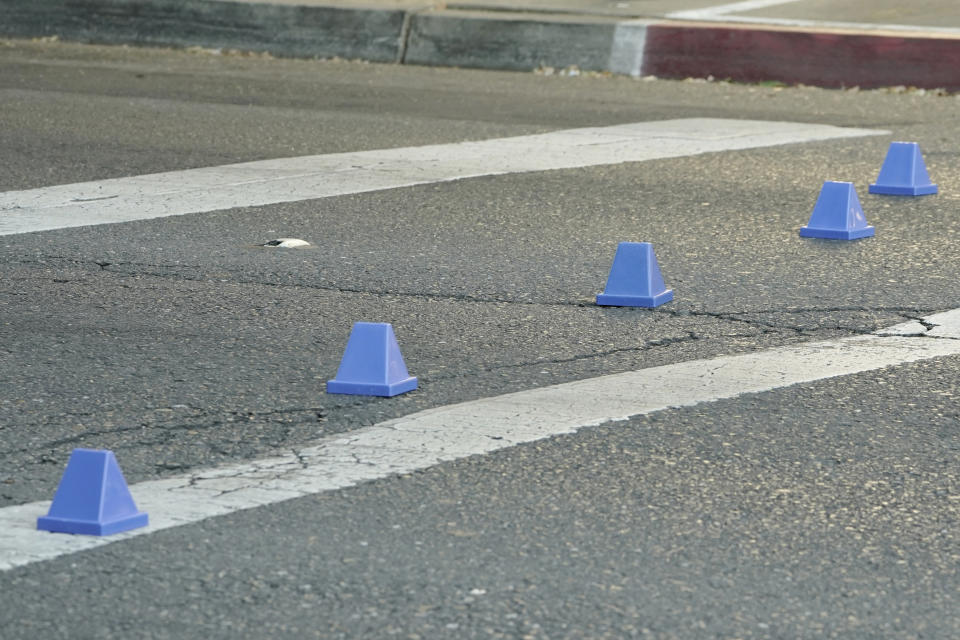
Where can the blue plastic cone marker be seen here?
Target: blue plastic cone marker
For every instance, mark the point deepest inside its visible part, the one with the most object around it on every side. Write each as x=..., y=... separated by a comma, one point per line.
x=372, y=364
x=903, y=172
x=837, y=214
x=635, y=279
x=92, y=498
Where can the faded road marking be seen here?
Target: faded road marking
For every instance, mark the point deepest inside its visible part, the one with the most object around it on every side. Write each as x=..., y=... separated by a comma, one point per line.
x=729, y=13
x=720, y=12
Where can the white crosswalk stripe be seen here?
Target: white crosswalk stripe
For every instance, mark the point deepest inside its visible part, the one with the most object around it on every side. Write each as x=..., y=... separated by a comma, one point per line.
x=456, y=431
x=309, y=177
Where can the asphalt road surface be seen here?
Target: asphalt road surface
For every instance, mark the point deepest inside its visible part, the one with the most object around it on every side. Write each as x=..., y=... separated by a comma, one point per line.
x=825, y=509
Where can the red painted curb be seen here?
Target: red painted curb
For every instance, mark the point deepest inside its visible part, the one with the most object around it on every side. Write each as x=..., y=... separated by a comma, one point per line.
x=825, y=59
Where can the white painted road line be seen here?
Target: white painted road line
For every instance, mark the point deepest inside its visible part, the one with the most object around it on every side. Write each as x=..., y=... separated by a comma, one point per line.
x=728, y=13
x=308, y=177
x=448, y=433
x=720, y=12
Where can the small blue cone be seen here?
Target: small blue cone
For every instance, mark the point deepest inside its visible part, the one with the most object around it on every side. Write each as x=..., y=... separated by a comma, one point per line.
x=372, y=364
x=903, y=172
x=837, y=214
x=92, y=498
x=634, y=279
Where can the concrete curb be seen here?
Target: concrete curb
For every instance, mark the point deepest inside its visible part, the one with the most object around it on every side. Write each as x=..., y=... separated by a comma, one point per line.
x=281, y=29
x=505, y=40
x=825, y=58
x=496, y=40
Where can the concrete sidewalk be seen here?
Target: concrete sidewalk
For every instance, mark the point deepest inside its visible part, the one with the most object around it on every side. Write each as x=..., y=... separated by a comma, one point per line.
x=830, y=43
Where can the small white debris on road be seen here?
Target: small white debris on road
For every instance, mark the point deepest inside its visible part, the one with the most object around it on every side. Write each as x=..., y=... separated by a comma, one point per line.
x=287, y=243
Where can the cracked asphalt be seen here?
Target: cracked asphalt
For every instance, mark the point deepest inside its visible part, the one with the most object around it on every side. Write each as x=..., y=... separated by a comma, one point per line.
x=824, y=510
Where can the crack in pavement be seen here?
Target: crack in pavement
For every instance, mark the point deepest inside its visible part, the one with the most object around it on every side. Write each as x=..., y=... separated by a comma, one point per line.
x=284, y=474
x=413, y=443
x=206, y=420
x=734, y=316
